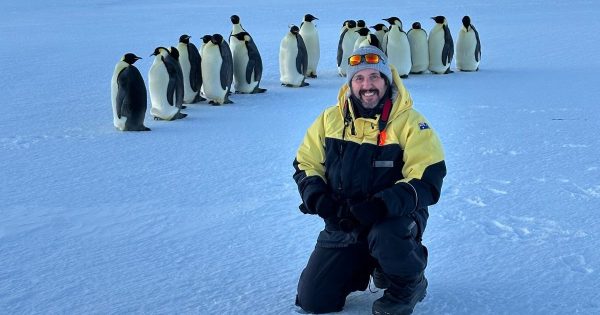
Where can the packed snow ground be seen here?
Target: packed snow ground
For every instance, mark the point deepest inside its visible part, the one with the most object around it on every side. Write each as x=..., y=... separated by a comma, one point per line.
x=199, y=216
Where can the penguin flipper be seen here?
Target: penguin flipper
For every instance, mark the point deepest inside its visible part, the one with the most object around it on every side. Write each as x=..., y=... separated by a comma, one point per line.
x=302, y=58
x=477, y=46
x=121, y=94
x=171, y=86
x=195, y=72
x=254, y=55
x=249, y=69
x=340, y=50
x=448, y=50
x=226, y=74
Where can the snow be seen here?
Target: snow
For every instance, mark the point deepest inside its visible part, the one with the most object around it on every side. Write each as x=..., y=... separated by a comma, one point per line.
x=200, y=215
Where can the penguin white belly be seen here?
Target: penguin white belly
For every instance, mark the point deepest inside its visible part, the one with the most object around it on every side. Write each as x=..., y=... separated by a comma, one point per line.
x=419, y=51
x=358, y=42
x=398, y=52
x=311, y=40
x=114, y=90
x=465, y=51
x=158, y=80
x=211, y=75
x=347, y=49
x=288, y=51
x=436, y=45
x=240, y=63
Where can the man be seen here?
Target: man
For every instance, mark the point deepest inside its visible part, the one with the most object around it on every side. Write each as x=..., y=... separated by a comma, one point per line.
x=369, y=166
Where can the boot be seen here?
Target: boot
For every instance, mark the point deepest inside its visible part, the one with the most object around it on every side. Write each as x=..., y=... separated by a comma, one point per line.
x=380, y=280
x=401, y=297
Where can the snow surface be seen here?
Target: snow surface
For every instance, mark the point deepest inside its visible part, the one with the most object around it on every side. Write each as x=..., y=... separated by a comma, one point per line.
x=199, y=216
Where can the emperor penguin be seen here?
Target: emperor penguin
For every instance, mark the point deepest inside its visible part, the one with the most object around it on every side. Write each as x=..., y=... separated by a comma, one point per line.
x=217, y=70
x=128, y=94
x=380, y=30
x=441, y=46
x=361, y=24
x=293, y=59
x=190, y=61
x=247, y=64
x=362, y=35
x=397, y=47
x=419, y=49
x=164, y=86
x=348, y=36
x=468, y=47
x=310, y=35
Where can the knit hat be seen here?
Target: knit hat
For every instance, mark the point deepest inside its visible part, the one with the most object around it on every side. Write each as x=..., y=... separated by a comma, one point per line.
x=382, y=66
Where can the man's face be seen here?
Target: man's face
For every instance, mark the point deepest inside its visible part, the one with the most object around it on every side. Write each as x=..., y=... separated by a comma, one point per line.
x=368, y=86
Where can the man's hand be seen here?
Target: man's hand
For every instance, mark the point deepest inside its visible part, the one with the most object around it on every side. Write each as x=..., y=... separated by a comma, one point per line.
x=369, y=212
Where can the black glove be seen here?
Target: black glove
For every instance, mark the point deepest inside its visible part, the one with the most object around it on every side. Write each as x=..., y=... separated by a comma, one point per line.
x=369, y=212
x=326, y=206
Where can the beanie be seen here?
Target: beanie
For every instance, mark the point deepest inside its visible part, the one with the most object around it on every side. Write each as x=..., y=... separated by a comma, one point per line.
x=382, y=66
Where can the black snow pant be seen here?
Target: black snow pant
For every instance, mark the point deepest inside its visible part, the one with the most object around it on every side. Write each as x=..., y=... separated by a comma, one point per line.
x=394, y=245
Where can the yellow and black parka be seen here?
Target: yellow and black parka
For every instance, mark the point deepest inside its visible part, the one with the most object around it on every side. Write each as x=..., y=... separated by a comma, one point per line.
x=351, y=159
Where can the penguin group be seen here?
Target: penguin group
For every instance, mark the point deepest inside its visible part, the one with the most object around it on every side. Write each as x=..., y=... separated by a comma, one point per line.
x=413, y=51
x=188, y=75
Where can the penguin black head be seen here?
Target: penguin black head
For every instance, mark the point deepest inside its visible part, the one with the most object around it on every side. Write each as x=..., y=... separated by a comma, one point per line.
x=241, y=35
x=361, y=23
x=416, y=26
x=235, y=19
x=363, y=31
x=157, y=51
x=309, y=18
x=131, y=58
x=350, y=23
x=174, y=52
x=206, y=38
x=294, y=30
x=216, y=39
x=378, y=27
x=392, y=20
x=466, y=21
x=439, y=19
x=184, y=39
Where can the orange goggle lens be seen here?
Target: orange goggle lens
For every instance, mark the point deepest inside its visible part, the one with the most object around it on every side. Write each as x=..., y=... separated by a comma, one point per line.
x=368, y=58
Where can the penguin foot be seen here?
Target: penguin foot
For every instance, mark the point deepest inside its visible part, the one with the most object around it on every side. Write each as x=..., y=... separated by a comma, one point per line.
x=259, y=90
x=404, y=76
x=304, y=84
x=137, y=128
x=157, y=118
x=312, y=75
x=213, y=103
x=418, y=72
x=179, y=116
x=448, y=71
x=198, y=99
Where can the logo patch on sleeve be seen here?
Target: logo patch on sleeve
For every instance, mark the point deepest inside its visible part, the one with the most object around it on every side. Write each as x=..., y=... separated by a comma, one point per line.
x=423, y=125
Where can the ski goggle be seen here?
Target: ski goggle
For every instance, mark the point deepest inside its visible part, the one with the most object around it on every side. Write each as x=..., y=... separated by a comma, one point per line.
x=368, y=58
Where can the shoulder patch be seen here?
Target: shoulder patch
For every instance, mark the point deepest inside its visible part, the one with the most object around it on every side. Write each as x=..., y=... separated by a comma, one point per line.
x=423, y=125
